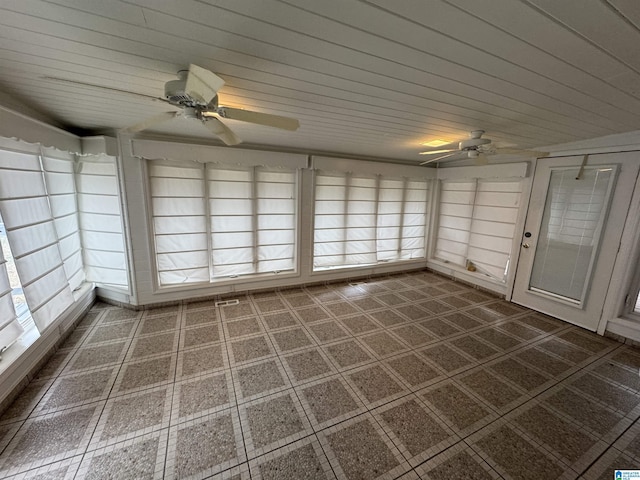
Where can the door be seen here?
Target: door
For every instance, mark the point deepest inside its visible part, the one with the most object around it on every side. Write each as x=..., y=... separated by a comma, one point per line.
x=574, y=222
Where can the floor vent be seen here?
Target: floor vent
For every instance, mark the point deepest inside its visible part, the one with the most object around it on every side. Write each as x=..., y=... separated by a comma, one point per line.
x=227, y=303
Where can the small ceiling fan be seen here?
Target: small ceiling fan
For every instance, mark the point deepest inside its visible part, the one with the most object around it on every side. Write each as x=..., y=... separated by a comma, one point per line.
x=195, y=92
x=473, y=147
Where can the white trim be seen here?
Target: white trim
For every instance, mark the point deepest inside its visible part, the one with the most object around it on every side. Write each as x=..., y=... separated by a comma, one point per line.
x=371, y=168
x=184, y=152
x=501, y=171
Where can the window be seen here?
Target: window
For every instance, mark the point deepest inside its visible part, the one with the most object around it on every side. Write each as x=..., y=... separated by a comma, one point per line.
x=368, y=219
x=476, y=224
x=212, y=222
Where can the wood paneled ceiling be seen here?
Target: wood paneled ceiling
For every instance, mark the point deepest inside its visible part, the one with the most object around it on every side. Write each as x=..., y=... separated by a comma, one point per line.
x=372, y=78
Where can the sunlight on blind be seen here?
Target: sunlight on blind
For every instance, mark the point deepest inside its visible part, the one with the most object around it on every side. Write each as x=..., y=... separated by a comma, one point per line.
x=476, y=223
x=10, y=328
x=363, y=220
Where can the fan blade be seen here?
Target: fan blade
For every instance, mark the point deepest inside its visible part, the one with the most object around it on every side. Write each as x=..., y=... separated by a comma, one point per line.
x=266, y=119
x=441, y=157
x=150, y=122
x=219, y=129
x=448, y=147
x=505, y=151
x=202, y=84
x=446, y=150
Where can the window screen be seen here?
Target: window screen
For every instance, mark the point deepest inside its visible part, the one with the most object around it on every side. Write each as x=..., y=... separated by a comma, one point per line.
x=476, y=223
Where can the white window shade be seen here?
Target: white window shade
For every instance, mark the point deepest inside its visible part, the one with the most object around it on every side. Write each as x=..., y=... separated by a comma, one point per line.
x=364, y=220
x=179, y=222
x=29, y=222
x=60, y=183
x=100, y=220
x=10, y=328
x=476, y=223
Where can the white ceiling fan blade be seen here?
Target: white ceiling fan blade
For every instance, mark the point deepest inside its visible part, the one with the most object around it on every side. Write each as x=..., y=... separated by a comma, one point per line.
x=267, y=119
x=202, y=84
x=515, y=151
x=219, y=129
x=150, y=122
x=448, y=147
x=442, y=157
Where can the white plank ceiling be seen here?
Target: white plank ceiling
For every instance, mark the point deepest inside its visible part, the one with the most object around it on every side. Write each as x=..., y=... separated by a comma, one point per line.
x=370, y=78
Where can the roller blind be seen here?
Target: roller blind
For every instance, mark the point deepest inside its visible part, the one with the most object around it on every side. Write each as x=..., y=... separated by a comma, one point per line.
x=212, y=222
x=28, y=218
x=476, y=223
x=10, y=328
x=364, y=220
x=100, y=220
x=60, y=183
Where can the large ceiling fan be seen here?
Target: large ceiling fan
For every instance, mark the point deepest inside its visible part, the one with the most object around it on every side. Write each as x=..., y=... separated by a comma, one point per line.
x=195, y=92
x=473, y=147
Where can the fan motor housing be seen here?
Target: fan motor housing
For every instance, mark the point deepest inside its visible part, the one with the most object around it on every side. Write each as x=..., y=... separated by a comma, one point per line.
x=473, y=143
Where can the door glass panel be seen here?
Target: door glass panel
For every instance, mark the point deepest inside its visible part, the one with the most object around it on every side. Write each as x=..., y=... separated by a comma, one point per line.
x=574, y=213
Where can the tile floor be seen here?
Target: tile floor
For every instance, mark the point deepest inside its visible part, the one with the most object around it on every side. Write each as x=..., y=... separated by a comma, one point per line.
x=409, y=376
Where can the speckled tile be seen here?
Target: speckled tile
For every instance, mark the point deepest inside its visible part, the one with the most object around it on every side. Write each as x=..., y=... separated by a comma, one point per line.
x=271, y=420
x=461, y=321
x=200, y=360
x=199, y=317
x=505, y=309
x=90, y=319
x=301, y=460
x=120, y=314
x=108, y=333
x=164, y=310
x=25, y=402
x=301, y=300
x=413, y=335
x=589, y=413
x=498, y=339
x=340, y=309
x=375, y=384
x=383, y=344
x=77, y=389
x=328, y=400
x=625, y=377
x=388, y=318
x=434, y=291
x=510, y=453
x=196, y=304
x=307, y=364
x=158, y=324
x=129, y=460
x=628, y=357
x=413, y=312
x=360, y=452
x=55, y=364
x=90, y=357
x=439, y=327
x=564, y=350
x=328, y=331
x=542, y=322
x=412, y=369
x=276, y=321
x=145, y=373
x=450, y=464
x=416, y=429
x=130, y=413
x=455, y=301
x=203, y=394
x=518, y=373
x=260, y=378
x=205, y=446
x=391, y=299
x=153, y=345
x=49, y=438
x=587, y=340
x=413, y=295
x=496, y=392
x=561, y=436
x=250, y=349
x=325, y=295
x=460, y=409
x=543, y=361
x=474, y=347
x=288, y=340
x=270, y=305
x=312, y=314
x=197, y=336
x=436, y=307
x=240, y=328
x=617, y=397
x=347, y=354
x=367, y=303
x=519, y=330
x=445, y=357
x=359, y=324
x=242, y=309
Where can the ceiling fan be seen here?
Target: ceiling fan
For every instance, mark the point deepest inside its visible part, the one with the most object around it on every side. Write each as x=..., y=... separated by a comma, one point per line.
x=195, y=92
x=473, y=147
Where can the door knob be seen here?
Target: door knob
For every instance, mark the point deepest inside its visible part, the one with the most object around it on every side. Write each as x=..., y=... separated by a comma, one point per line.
x=525, y=245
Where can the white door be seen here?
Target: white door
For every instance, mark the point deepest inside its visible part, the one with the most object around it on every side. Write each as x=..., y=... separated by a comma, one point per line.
x=572, y=232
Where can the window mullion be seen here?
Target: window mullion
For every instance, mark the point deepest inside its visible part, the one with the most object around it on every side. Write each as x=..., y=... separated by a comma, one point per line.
x=207, y=212
x=254, y=216
x=345, y=213
x=377, y=205
x=403, y=204
x=473, y=210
